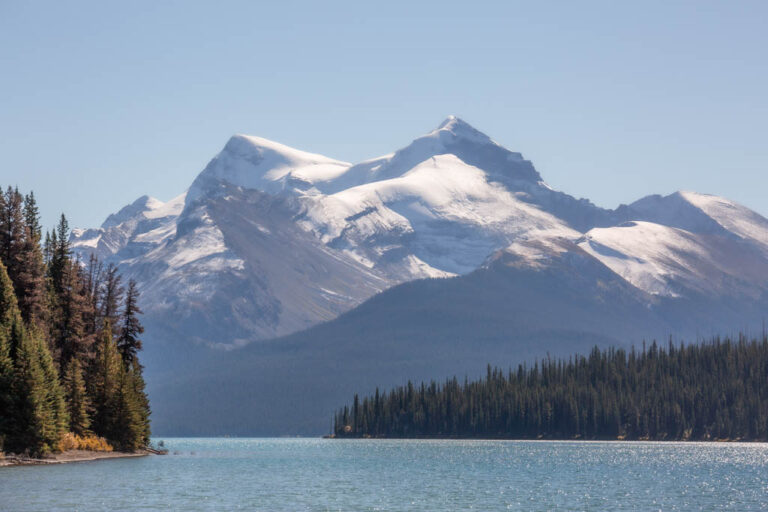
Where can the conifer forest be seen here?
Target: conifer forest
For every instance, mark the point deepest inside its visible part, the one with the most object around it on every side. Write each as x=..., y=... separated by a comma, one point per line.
x=70, y=335
x=717, y=390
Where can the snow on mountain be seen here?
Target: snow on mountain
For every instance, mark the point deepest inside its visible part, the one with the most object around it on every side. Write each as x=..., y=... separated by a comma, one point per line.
x=269, y=239
x=132, y=231
x=255, y=163
x=452, y=136
x=444, y=212
x=686, y=241
x=732, y=217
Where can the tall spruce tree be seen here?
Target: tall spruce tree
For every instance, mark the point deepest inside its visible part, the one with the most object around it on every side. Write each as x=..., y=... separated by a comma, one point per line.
x=31, y=287
x=111, y=297
x=142, y=401
x=128, y=342
x=59, y=253
x=12, y=229
x=68, y=326
x=93, y=275
x=32, y=216
x=56, y=416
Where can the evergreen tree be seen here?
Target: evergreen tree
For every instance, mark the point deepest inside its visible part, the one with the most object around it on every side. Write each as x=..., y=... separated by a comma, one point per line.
x=31, y=287
x=128, y=342
x=32, y=216
x=59, y=254
x=48, y=246
x=69, y=315
x=142, y=429
x=111, y=296
x=92, y=286
x=56, y=417
x=12, y=229
x=105, y=384
x=78, y=402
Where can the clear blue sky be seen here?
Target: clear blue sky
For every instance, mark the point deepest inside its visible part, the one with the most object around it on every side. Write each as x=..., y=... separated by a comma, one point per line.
x=101, y=102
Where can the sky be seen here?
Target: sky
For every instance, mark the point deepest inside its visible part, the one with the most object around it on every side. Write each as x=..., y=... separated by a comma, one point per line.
x=102, y=102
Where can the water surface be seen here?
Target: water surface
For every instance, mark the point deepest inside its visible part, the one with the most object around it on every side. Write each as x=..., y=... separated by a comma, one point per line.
x=352, y=475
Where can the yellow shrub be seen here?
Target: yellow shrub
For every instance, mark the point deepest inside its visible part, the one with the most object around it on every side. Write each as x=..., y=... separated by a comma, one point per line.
x=70, y=441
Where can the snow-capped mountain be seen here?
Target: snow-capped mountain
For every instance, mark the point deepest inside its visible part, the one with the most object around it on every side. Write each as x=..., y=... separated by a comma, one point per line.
x=269, y=240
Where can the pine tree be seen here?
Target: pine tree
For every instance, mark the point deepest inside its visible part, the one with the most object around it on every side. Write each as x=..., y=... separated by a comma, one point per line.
x=12, y=229
x=32, y=216
x=128, y=342
x=142, y=400
x=56, y=415
x=59, y=253
x=31, y=286
x=92, y=286
x=48, y=246
x=78, y=403
x=68, y=326
x=111, y=296
x=105, y=383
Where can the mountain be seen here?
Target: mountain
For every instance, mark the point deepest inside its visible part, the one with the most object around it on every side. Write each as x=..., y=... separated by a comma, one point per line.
x=270, y=240
x=434, y=260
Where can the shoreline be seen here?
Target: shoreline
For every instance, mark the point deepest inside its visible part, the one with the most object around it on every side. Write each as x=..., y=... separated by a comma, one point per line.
x=68, y=457
x=549, y=439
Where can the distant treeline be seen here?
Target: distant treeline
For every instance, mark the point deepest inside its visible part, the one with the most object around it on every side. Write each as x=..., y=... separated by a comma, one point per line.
x=715, y=390
x=69, y=337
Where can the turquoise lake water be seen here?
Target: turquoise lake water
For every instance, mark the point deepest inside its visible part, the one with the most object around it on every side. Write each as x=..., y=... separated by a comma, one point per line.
x=315, y=474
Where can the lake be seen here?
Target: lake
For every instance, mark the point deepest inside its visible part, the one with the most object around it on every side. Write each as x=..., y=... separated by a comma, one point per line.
x=394, y=475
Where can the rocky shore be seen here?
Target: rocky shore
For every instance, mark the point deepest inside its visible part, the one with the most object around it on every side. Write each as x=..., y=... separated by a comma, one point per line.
x=68, y=456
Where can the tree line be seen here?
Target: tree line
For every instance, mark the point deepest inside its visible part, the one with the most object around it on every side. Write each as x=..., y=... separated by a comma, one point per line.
x=716, y=390
x=69, y=341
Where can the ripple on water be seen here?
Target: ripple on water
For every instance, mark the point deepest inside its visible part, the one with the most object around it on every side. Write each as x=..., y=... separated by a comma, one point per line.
x=314, y=474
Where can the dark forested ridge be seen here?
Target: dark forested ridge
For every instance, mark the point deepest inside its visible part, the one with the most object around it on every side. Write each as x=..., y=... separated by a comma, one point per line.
x=70, y=376
x=712, y=391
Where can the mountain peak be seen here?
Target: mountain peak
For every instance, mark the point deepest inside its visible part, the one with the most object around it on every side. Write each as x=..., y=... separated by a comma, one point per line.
x=141, y=205
x=257, y=163
x=461, y=129
x=451, y=119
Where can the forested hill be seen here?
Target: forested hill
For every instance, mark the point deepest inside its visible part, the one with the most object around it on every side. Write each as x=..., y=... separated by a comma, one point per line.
x=713, y=391
x=70, y=376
